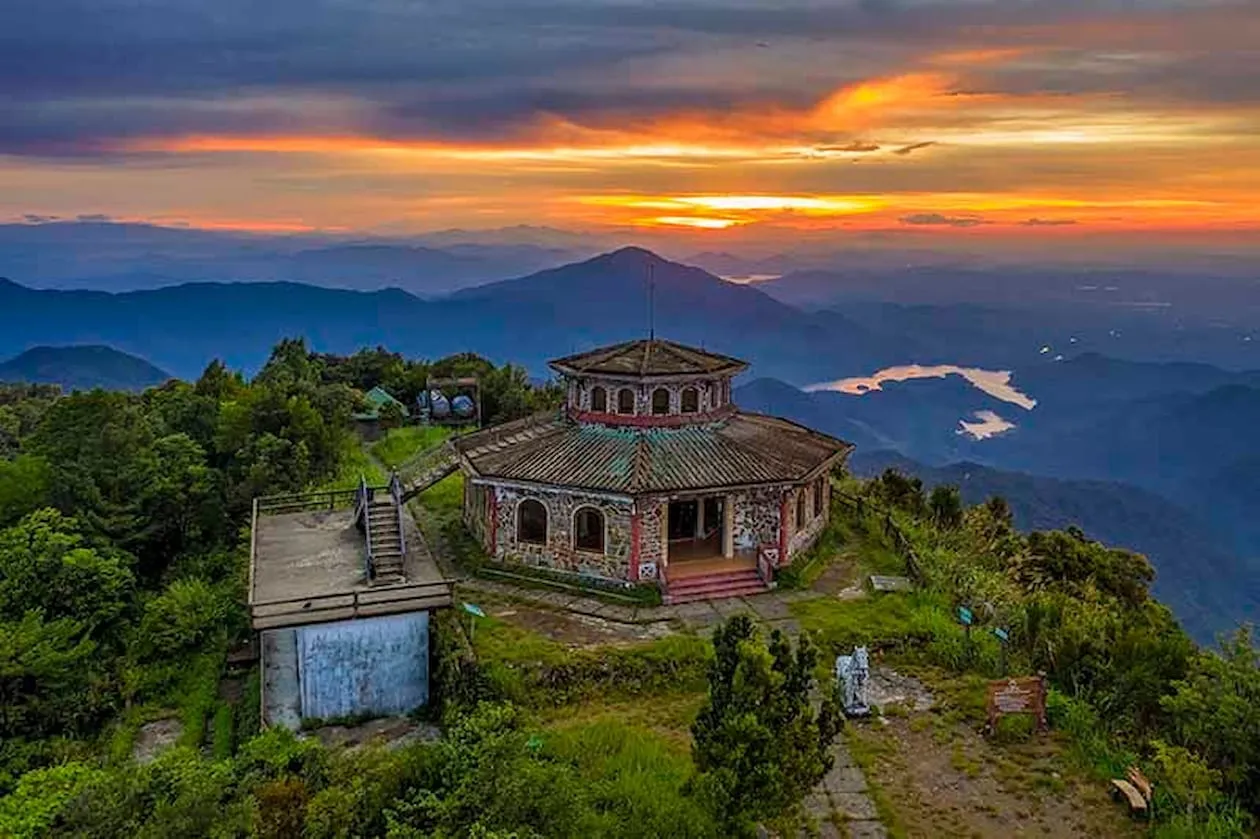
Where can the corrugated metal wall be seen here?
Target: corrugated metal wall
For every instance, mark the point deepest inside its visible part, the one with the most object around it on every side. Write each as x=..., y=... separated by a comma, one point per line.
x=373, y=665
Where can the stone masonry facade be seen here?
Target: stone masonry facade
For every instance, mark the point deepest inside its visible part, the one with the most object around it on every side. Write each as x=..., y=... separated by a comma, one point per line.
x=559, y=552
x=756, y=519
x=490, y=513
x=802, y=538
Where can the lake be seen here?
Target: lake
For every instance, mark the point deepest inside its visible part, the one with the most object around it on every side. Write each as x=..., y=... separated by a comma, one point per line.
x=996, y=383
x=988, y=425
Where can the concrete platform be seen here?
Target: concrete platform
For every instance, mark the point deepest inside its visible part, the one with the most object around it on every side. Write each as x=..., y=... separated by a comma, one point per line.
x=309, y=566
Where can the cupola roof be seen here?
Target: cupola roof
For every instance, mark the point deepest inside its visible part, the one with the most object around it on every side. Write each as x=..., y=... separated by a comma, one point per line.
x=648, y=358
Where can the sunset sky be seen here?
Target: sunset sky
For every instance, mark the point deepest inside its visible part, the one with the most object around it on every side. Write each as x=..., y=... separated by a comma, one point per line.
x=744, y=118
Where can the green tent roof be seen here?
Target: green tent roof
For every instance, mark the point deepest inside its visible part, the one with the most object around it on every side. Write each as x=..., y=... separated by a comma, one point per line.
x=378, y=398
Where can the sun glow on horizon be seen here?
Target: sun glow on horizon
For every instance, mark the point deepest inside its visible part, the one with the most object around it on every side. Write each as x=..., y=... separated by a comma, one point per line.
x=931, y=142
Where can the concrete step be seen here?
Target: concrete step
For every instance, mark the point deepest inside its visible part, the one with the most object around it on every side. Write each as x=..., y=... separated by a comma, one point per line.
x=715, y=586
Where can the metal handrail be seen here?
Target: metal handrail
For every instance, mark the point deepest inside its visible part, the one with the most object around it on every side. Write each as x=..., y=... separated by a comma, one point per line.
x=364, y=509
x=395, y=489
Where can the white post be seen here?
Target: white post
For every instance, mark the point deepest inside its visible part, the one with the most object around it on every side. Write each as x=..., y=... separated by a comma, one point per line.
x=728, y=526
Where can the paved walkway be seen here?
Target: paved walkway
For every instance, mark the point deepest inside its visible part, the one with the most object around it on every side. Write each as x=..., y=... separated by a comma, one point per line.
x=770, y=608
x=840, y=804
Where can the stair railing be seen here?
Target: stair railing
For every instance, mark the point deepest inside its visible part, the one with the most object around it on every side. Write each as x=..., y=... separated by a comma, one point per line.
x=395, y=490
x=767, y=557
x=365, y=505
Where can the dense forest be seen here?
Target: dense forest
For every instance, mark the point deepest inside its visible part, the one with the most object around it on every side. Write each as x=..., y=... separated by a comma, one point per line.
x=122, y=524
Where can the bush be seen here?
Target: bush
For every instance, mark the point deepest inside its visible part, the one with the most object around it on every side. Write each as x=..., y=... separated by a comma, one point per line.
x=183, y=618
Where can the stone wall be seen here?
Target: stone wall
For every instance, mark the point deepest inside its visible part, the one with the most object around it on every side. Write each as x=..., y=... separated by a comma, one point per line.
x=477, y=511
x=559, y=552
x=713, y=394
x=802, y=539
x=651, y=519
x=756, y=519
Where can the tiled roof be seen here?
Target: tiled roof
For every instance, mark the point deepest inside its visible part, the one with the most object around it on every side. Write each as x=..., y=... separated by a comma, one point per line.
x=648, y=358
x=739, y=450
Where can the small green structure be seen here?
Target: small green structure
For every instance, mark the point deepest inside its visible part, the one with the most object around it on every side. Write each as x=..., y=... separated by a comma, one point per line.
x=377, y=398
x=378, y=401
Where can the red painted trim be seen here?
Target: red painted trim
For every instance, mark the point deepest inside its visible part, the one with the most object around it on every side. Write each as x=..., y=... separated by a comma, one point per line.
x=636, y=527
x=783, y=530
x=649, y=420
x=493, y=528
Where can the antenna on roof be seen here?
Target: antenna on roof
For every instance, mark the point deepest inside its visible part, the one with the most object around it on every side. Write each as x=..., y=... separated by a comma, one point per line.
x=651, y=302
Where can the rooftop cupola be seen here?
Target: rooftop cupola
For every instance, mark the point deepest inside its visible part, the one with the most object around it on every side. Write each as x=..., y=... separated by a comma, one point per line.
x=648, y=382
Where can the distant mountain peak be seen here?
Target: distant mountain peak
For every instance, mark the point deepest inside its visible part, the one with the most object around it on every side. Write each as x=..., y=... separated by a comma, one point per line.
x=631, y=255
x=82, y=367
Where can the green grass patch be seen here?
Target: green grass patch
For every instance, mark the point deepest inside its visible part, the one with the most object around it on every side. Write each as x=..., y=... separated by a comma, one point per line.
x=880, y=622
x=634, y=779
x=445, y=499
x=668, y=717
x=224, y=736
x=532, y=670
x=196, y=696
x=399, y=444
x=353, y=463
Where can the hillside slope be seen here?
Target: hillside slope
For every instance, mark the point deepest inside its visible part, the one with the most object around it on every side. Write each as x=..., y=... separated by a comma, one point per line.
x=1208, y=587
x=82, y=368
x=526, y=320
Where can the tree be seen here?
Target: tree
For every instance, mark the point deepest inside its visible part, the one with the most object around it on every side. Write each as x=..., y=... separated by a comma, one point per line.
x=1215, y=713
x=946, y=505
x=47, y=564
x=25, y=484
x=758, y=745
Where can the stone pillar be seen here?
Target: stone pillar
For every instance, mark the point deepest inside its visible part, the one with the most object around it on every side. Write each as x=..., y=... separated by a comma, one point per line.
x=728, y=526
x=636, y=531
x=664, y=533
x=699, y=528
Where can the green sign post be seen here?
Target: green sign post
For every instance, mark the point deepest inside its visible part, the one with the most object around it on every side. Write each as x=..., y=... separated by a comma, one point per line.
x=474, y=612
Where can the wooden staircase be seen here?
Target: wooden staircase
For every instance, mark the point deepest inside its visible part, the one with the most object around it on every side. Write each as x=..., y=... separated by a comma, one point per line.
x=715, y=585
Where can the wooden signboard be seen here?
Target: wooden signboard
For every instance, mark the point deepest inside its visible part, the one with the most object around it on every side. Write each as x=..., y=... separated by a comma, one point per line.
x=1017, y=696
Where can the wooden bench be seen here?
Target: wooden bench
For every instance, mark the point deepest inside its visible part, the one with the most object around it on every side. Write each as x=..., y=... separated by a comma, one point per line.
x=1136, y=790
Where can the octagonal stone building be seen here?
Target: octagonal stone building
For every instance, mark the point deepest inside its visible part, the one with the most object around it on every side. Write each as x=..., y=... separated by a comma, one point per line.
x=649, y=473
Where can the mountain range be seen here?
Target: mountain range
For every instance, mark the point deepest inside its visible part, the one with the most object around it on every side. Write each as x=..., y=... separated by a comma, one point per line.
x=1174, y=430
x=119, y=257
x=526, y=320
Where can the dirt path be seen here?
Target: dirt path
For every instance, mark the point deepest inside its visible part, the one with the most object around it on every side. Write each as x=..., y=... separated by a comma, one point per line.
x=945, y=780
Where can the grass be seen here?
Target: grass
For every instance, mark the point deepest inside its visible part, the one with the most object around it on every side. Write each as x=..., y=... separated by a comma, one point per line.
x=399, y=444
x=446, y=497
x=353, y=464
x=635, y=778
x=668, y=717
x=867, y=751
x=530, y=669
x=880, y=621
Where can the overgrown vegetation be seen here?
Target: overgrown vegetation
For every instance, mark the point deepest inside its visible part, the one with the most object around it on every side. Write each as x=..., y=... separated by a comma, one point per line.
x=122, y=569
x=121, y=589
x=1127, y=683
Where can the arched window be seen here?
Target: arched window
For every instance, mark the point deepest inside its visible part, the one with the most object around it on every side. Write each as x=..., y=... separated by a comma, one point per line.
x=800, y=508
x=690, y=400
x=625, y=401
x=820, y=486
x=599, y=400
x=660, y=401
x=531, y=522
x=588, y=529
